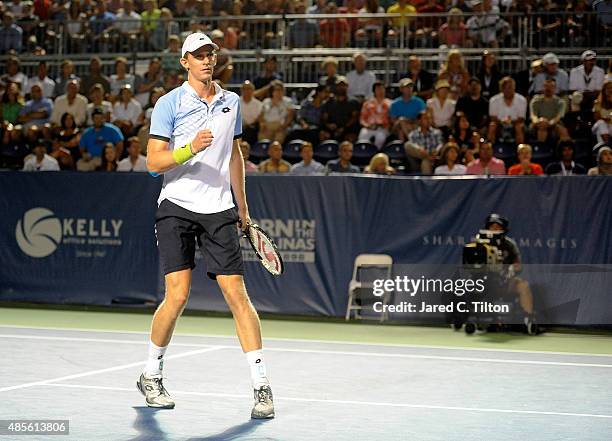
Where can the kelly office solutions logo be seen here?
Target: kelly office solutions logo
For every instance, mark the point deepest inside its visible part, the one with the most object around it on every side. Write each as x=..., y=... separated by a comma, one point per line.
x=40, y=233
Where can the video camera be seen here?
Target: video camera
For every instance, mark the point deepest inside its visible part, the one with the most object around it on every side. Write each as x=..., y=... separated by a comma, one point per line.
x=484, y=252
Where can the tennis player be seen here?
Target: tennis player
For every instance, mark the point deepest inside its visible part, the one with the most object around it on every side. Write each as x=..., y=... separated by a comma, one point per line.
x=194, y=141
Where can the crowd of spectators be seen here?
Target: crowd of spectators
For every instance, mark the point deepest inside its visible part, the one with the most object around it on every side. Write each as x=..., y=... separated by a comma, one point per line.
x=450, y=122
x=116, y=25
x=453, y=121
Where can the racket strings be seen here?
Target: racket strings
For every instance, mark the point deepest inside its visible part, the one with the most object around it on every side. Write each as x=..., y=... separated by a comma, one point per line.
x=266, y=250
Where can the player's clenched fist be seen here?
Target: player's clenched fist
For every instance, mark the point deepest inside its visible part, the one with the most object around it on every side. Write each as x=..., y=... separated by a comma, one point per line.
x=202, y=140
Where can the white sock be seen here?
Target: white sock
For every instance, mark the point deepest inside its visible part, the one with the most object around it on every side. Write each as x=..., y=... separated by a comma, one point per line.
x=258, y=368
x=155, y=362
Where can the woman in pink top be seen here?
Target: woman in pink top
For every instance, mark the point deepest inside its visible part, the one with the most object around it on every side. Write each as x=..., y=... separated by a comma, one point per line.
x=374, y=118
x=453, y=33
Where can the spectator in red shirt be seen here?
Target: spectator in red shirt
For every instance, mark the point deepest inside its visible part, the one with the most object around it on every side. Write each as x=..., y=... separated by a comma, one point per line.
x=350, y=7
x=427, y=25
x=41, y=8
x=335, y=32
x=525, y=166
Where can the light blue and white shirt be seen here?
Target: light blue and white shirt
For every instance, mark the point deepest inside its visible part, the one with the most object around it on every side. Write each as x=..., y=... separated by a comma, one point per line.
x=302, y=169
x=202, y=184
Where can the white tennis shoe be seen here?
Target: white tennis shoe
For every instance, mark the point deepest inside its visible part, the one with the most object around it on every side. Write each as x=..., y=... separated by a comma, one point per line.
x=154, y=391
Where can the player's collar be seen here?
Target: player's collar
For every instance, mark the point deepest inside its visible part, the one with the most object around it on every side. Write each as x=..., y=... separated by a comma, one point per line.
x=219, y=91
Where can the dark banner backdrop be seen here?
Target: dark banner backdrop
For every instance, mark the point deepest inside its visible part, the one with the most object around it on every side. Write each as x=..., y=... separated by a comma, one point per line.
x=89, y=238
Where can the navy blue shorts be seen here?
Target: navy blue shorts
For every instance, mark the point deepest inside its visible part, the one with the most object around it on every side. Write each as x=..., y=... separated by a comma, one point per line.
x=178, y=230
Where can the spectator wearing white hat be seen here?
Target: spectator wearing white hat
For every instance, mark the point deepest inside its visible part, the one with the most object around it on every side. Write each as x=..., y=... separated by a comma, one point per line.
x=442, y=107
x=587, y=78
x=604, y=162
x=225, y=64
x=551, y=70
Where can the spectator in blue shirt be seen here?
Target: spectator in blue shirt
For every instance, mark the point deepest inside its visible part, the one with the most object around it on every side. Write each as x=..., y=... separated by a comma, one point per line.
x=11, y=35
x=95, y=138
x=102, y=20
x=37, y=111
x=343, y=163
x=100, y=24
x=303, y=33
x=307, y=166
x=404, y=110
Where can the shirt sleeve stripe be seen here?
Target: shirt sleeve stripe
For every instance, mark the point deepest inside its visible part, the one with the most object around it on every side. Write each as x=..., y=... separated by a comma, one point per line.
x=161, y=138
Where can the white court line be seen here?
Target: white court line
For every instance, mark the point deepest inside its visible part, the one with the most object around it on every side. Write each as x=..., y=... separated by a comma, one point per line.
x=328, y=352
x=102, y=371
x=350, y=402
x=98, y=340
x=335, y=342
x=441, y=357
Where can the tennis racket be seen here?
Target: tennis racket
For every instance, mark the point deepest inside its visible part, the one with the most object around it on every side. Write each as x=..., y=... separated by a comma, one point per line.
x=265, y=249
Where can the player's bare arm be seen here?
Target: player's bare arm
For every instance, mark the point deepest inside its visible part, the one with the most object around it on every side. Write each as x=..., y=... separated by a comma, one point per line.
x=160, y=159
x=237, y=182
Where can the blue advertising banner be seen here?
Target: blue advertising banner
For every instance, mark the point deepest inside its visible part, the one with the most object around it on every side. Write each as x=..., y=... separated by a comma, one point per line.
x=78, y=238
x=321, y=224
x=89, y=238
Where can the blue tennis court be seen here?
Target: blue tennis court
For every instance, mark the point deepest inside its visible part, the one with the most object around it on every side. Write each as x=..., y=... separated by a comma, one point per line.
x=323, y=390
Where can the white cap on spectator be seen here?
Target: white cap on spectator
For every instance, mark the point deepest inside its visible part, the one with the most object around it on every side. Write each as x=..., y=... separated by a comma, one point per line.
x=195, y=41
x=588, y=55
x=550, y=58
x=217, y=34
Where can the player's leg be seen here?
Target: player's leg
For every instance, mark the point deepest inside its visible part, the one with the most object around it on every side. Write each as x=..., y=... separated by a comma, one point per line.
x=176, y=236
x=150, y=382
x=223, y=257
x=245, y=316
x=168, y=312
x=249, y=333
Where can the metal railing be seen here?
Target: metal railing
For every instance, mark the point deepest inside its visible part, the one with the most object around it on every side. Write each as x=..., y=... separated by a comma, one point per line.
x=539, y=30
x=254, y=37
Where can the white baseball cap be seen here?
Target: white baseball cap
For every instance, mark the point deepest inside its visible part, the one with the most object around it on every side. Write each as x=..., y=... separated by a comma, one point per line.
x=588, y=55
x=195, y=41
x=550, y=58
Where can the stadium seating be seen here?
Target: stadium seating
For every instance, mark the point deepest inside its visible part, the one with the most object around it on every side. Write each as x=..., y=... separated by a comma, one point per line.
x=291, y=151
x=326, y=150
x=506, y=152
x=363, y=152
x=543, y=153
x=259, y=151
x=250, y=39
x=396, y=152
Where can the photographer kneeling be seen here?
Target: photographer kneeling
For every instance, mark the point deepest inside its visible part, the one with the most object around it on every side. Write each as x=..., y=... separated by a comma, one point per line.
x=511, y=257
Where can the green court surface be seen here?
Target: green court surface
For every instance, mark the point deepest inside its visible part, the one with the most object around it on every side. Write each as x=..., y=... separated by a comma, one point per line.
x=370, y=333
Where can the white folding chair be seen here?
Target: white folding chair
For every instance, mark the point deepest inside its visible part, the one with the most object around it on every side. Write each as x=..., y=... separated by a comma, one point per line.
x=370, y=260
